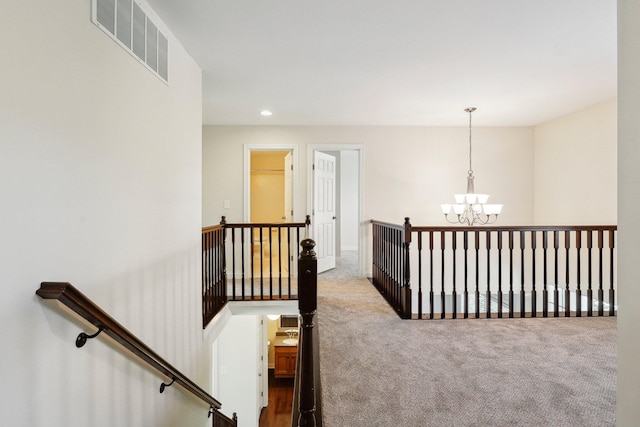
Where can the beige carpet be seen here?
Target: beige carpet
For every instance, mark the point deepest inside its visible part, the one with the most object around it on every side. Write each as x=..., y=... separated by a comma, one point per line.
x=378, y=370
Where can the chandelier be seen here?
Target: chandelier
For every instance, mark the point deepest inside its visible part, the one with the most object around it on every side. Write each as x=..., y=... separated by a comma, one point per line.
x=471, y=208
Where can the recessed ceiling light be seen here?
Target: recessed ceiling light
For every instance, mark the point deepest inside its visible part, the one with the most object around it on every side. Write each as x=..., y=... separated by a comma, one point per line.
x=265, y=113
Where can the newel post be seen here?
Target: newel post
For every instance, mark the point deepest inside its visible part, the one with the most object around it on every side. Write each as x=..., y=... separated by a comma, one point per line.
x=307, y=303
x=406, y=282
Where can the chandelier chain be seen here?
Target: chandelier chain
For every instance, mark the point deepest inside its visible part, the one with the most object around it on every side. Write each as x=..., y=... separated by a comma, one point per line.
x=470, y=110
x=470, y=168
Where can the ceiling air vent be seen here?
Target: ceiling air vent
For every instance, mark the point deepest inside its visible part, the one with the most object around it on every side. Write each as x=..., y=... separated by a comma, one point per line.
x=126, y=23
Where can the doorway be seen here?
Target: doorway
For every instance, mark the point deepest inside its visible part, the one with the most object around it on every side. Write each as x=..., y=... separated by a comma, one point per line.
x=269, y=199
x=270, y=169
x=270, y=186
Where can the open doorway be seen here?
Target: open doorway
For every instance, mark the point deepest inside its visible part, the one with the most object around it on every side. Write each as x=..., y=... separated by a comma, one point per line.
x=270, y=183
x=269, y=194
x=337, y=208
x=270, y=186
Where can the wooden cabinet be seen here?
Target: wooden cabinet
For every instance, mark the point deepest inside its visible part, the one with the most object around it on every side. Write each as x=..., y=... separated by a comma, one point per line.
x=285, y=361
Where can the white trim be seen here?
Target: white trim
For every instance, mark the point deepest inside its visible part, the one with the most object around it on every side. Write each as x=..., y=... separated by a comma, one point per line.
x=217, y=324
x=311, y=148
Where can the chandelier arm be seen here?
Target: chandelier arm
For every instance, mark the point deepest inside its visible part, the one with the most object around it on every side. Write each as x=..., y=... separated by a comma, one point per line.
x=457, y=221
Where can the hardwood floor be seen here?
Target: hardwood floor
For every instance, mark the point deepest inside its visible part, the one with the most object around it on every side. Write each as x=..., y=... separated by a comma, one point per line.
x=278, y=411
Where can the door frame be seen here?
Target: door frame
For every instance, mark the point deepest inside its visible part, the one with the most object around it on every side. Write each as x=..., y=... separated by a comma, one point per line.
x=248, y=148
x=311, y=148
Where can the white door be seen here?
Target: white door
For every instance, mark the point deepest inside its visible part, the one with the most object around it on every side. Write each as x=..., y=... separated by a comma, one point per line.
x=324, y=209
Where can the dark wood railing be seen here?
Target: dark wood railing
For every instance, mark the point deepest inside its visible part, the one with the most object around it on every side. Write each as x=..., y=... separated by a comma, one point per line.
x=214, y=283
x=262, y=259
x=391, y=269
x=88, y=310
x=503, y=271
x=268, y=279
x=307, y=402
x=247, y=262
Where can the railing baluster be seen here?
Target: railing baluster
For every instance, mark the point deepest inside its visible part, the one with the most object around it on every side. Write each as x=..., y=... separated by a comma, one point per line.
x=385, y=259
x=289, y=272
x=420, y=275
x=499, y=233
x=279, y=262
x=545, y=291
x=488, y=301
x=399, y=276
x=454, y=295
x=477, y=236
x=466, y=275
x=270, y=263
x=511, y=302
x=567, y=291
x=243, y=274
x=522, y=292
x=252, y=259
x=579, y=274
x=442, y=291
x=233, y=263
x=396, y=268
x=431, y=296
x=590, y=277
x=600, y=275
x=534, y=296
x=556, y=293
x=612, y=299
x=389, y=268
x=217, y=265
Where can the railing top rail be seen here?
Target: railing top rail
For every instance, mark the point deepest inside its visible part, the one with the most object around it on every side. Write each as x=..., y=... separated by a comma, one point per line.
x=517, y=228
x=211, y=228
x=83, y=306
x=265, y=225
x=388, y=224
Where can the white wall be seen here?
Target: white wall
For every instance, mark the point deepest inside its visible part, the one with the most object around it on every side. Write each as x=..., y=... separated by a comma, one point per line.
x=575, y=168
x=628, y=381
x=100, y=185
x=236, y=375
x=408, y=171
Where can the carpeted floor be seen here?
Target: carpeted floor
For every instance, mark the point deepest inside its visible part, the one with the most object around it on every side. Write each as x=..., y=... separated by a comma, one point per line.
x=378, y=370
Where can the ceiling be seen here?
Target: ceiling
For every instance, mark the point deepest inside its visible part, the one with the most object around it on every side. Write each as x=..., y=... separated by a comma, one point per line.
x=402, y=62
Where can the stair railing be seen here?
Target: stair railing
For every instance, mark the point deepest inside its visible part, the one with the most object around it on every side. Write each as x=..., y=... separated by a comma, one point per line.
x=68, y=295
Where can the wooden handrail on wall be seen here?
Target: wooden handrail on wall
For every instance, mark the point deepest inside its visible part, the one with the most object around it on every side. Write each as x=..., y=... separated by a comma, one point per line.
x=68, y=295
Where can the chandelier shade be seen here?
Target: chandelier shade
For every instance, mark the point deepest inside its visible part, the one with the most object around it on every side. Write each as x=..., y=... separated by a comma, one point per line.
x=471, y=208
